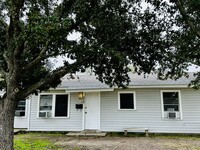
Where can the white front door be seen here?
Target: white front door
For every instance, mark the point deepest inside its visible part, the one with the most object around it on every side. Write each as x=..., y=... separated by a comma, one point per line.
x=92, y=111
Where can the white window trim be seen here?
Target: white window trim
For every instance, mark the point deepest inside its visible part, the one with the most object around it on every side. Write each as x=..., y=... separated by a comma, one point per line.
x=180, y=103
x=26, y=111
x=127, y=92
x=53, y=104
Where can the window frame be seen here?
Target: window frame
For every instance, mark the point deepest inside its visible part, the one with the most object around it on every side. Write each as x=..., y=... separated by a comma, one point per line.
x=179, y=103
x=134, y=99
x=24, y=110
x=54, y=104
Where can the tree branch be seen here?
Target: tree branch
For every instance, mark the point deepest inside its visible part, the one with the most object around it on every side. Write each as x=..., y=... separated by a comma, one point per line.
x=13, y=45
x=39, y=57
x=186, y=17
x=69, y=5
x=54, y=75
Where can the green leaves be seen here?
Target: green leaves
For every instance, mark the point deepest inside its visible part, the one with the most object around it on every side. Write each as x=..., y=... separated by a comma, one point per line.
x=114, y=34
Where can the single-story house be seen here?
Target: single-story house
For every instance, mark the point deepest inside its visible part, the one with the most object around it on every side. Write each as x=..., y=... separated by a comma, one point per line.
x=84, y=103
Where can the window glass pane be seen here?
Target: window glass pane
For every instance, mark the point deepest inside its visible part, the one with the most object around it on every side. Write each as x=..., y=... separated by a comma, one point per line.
x=46, y=102
x=61, y=106
x=171, y=101
x=126, y=101
x=170, y=97
x=21, y=107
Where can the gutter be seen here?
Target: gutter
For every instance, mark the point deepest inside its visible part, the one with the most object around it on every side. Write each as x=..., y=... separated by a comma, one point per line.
x=89, y=90
x=159, y=86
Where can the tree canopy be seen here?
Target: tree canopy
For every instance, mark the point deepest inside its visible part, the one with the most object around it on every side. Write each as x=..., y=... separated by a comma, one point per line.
x=161, y=36
x=113, y=35
x=184, y=43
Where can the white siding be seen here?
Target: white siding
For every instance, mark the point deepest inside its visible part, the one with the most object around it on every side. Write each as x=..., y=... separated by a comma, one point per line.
x=73, y=123
x=148, y=112
x=22, y=122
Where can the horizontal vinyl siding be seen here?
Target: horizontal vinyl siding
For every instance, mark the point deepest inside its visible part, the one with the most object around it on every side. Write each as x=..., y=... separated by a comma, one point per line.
x=73, y=123
x=148, y=112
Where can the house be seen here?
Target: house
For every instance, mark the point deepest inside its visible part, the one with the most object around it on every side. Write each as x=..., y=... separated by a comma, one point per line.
x=85, y=103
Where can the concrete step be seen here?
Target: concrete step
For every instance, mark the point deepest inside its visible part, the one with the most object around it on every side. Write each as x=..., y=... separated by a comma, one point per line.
x=87, y=134
x=90, y=131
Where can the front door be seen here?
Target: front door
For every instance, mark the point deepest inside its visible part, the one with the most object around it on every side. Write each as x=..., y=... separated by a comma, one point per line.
x=92, y=111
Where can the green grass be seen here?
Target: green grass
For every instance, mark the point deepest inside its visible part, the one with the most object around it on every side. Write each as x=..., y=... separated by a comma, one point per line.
x=35, y=141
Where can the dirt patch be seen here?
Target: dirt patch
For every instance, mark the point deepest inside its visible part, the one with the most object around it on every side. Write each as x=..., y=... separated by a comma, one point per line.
x=129, y=143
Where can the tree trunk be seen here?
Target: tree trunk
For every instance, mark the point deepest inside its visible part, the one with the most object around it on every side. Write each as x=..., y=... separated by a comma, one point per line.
x=7, y=111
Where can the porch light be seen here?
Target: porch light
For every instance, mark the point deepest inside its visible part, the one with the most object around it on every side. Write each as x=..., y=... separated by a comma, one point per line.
x=81, y=95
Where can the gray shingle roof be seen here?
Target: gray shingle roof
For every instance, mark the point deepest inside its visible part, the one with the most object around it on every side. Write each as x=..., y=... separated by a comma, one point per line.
x=89, y=82
x=152, y=80
x=81, y=82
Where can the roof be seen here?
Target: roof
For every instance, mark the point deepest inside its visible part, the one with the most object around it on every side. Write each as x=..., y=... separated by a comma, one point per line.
x=152, y=80
x=90, y=82
x=82, y=82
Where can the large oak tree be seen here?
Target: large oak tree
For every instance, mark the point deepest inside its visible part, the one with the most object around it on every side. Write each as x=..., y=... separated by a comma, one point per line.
x=113, y=35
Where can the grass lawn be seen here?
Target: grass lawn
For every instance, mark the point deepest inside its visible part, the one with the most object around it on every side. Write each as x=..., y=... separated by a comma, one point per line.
x=36, y=141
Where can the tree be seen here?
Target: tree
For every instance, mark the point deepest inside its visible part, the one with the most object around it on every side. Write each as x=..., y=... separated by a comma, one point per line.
x=183, y=37
x=114, y=33
x=190, y=38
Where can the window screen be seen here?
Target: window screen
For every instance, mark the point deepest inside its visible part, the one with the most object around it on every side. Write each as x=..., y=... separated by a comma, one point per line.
x=46, y=102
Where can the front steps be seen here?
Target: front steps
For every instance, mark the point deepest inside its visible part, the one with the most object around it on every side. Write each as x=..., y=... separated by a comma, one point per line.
x=88, y=133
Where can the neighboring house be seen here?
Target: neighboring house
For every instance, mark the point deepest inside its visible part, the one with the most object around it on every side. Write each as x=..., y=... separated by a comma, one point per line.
x=85, y=103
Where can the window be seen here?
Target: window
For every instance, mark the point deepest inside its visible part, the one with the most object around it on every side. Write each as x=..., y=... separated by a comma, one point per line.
x=126, y=100
x=21, y=109
x=61, y=105
x=53, y=105
x=46, y=102
x=170, y=101
x=171, y=104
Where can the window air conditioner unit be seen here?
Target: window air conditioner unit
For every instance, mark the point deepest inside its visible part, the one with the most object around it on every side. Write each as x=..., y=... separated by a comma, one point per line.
x=19, y=113
x=172, y=115
x=44, y=114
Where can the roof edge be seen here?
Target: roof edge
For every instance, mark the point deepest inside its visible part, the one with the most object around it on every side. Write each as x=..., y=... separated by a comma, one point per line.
x=89, y=90
x=159, y=86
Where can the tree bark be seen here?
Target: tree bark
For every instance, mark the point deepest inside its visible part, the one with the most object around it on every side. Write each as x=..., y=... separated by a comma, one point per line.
x=7, y=111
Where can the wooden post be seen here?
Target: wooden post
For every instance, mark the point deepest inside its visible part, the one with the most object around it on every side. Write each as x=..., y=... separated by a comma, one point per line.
x=146, y=133
x=125, y=132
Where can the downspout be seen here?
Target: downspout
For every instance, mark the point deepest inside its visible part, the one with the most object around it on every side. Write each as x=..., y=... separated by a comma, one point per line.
x=29, y=113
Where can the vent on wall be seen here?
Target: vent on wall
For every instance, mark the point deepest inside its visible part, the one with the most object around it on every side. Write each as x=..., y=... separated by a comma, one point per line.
x=172, y=115
x=19, y=113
